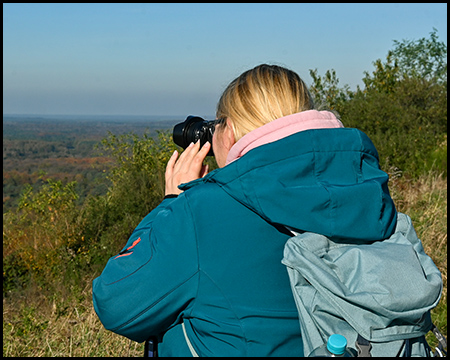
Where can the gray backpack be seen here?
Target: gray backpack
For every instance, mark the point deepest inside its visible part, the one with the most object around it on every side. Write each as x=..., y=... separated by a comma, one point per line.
x=377, y=294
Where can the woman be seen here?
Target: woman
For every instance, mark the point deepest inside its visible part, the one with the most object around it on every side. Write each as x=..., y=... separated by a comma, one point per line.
x=203, y=270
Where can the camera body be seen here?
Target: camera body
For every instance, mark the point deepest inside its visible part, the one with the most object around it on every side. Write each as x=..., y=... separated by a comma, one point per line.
x=194, y=128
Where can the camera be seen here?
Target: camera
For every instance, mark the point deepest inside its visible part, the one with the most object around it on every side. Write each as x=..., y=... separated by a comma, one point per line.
x=194, y=128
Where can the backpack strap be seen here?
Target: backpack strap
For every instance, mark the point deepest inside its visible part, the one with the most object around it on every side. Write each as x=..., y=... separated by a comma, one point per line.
x=363, y=346
x=440, y=349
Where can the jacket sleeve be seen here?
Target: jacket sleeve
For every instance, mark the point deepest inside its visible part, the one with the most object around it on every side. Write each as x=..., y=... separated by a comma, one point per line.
x=143, y=289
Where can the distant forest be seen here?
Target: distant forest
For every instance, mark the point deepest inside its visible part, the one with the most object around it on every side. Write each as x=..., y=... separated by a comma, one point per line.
x=38, y=148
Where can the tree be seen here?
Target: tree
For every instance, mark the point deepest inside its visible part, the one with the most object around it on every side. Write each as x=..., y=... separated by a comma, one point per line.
x=423, y=58
x=326, y=93
x=403, y=107
x=384, y=78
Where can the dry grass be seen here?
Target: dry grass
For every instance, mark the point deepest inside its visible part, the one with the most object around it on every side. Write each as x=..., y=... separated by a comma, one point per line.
x=425, y=201
x=35, y=324
x=39, y=326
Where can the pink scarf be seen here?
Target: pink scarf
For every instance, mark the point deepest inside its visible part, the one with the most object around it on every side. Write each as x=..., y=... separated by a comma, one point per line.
x=283, y=127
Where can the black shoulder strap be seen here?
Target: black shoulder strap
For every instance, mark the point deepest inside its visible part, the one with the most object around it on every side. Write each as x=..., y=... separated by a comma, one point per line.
x=151, y=347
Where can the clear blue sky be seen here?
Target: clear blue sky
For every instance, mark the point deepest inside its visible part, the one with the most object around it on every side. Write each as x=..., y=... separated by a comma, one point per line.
x=176, y=59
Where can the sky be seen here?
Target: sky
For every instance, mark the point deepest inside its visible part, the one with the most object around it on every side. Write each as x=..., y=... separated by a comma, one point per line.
x=177, y=58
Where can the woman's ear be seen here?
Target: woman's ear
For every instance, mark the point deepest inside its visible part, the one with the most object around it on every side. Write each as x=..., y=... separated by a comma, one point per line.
x=228, y=135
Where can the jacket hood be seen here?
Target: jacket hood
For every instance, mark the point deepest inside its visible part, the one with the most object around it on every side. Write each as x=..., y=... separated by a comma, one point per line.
x=326, y=181
x=282, y=127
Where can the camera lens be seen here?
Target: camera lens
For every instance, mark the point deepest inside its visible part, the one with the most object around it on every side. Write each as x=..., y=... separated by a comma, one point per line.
x=194, y=128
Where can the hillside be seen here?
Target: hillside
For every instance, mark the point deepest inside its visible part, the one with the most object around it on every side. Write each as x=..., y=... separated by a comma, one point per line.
x=78, y=208
x=64, y=148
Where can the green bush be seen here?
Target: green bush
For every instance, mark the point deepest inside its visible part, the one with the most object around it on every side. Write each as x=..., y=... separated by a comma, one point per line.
x=407, y=126
x=402, y=108
x=51, y=240
x=42, y=237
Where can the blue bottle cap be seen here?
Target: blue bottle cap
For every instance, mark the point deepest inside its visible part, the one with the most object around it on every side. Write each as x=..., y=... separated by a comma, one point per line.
x=336, y=344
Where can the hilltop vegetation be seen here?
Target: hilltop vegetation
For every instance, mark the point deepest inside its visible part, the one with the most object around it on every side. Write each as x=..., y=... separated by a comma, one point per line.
x=403, y=106
x=56, y=240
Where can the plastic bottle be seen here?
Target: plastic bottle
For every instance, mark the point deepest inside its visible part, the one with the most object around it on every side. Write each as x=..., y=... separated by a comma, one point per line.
x=336, y=346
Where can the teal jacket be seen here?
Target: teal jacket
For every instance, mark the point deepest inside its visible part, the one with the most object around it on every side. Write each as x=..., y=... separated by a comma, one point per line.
x=205, y=267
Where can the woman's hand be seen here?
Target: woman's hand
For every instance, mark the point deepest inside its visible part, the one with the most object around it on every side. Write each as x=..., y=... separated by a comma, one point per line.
x=188, y=167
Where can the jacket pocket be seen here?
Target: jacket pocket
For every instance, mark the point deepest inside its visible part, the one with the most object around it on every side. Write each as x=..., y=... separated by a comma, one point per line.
x=128, y=261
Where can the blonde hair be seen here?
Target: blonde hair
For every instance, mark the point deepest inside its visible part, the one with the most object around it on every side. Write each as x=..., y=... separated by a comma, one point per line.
x=261, y=95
